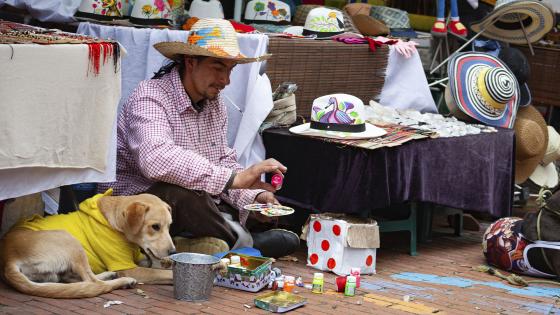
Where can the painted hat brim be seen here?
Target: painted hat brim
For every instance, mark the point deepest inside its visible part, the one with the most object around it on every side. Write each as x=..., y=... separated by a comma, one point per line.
x=174, y=50
x=370, y=132
x=542, y=21
x=461, y=89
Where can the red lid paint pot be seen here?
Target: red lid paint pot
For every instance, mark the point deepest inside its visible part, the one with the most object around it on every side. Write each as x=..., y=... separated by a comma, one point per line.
x=276, y=181
x=340, y=283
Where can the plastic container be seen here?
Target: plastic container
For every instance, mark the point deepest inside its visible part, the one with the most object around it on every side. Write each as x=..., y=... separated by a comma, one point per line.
x=276, y=181
x=318, y=283
x=289, y=283
x=356, y=273
x=350, y=289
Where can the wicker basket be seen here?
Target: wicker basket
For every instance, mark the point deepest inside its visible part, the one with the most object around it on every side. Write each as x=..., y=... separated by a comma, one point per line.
x=545, y=74
x=321, y=67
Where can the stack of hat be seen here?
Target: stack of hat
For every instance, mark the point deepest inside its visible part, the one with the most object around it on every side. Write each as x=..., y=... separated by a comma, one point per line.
x=546, y=172
x=366, y=24
x=140, y=12
x=397, y=21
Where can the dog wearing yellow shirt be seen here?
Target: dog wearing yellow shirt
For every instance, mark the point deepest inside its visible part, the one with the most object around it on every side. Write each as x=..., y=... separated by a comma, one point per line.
x=91, y=251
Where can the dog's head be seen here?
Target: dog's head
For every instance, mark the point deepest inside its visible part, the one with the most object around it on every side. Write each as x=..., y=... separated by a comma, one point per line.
x=144, y=220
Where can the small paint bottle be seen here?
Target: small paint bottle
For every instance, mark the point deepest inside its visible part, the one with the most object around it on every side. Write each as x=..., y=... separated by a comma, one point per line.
x=289, y=283
x=318, y=283
x=235, y=261
x=350, y=289
x=356, y=273
x=276, y=181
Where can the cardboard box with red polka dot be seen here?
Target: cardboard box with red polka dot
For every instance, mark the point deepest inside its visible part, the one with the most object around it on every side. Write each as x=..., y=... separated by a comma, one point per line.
x=337, y=243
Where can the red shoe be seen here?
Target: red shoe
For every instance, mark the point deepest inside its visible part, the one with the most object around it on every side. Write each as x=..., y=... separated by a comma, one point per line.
x=457, y=28
x=439, y=29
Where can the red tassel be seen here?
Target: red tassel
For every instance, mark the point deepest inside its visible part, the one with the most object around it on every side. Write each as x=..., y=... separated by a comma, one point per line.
x=95, y=51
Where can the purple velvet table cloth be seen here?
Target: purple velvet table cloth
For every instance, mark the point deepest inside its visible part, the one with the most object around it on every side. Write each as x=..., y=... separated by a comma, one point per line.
x=473, y=172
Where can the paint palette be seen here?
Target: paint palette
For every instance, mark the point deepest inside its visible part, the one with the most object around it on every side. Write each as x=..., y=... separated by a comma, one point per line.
x=270, y=210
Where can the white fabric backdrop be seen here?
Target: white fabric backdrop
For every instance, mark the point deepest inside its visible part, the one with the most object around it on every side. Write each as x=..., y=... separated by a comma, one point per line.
x=45, y=128
x=248, y=97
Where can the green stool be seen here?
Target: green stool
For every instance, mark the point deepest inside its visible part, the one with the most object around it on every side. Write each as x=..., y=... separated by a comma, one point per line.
x=408, y=224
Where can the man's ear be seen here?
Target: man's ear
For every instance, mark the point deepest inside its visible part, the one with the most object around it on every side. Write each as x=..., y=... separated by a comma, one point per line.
x=134, y=217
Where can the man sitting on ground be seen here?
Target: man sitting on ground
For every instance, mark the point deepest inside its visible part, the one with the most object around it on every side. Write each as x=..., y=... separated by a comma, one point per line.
x=172, y=143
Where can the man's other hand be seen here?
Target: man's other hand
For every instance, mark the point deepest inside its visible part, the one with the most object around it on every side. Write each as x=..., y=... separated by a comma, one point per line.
x=250, y=178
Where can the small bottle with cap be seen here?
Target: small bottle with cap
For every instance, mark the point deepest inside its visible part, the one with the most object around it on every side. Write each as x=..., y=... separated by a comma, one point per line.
x=289, y=283
x=350, y=289
x=318, y=283
x=276, y=181
x=235, y=261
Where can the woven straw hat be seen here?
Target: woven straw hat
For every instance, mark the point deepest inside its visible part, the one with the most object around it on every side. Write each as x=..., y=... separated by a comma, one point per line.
x=208, y=37
x=537, y=20
x=546, y=174
x=531, y=141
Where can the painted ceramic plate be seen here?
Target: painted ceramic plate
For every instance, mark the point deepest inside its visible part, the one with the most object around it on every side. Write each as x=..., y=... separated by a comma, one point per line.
x=270, y=210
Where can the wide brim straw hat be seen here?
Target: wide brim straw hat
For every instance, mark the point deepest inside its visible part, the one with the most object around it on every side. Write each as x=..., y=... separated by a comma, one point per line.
x=208, y=37
x=503, y=22
x=531, y=141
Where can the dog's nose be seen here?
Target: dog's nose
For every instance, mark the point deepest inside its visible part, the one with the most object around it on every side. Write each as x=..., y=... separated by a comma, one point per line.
x=172, y=251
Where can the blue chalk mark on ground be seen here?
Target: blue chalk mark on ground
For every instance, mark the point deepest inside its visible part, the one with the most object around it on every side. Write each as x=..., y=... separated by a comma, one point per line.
x=465, y=283
x=386, y=286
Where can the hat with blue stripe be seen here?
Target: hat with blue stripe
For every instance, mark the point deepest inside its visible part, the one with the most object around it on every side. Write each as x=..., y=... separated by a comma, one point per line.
x=482, y=87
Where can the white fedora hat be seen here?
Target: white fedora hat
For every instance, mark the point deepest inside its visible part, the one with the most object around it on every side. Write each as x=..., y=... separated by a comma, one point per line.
x=338, y=116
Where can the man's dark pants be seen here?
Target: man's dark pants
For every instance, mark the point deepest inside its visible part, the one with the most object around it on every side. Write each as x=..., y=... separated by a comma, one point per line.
x=195, y=214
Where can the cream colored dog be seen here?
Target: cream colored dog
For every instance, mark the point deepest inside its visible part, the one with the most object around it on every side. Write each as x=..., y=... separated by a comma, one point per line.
x=35, y=262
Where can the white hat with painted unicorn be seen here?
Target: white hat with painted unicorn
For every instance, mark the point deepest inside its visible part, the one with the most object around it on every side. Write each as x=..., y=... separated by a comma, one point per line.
x=338, y=116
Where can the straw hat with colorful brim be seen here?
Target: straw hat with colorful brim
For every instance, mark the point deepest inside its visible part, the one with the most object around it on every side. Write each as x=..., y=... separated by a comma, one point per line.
x=208, y=37
x=503, y=23
x=338, y=116
x=531, y=141
x=482, y=87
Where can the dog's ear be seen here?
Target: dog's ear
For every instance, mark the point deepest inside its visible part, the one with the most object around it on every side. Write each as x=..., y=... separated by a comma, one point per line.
x=134, y=216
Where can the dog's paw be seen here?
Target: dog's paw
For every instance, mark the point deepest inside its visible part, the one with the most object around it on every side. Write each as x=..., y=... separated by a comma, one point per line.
x=107, y=275
x=128, y=282
x=166, y=263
